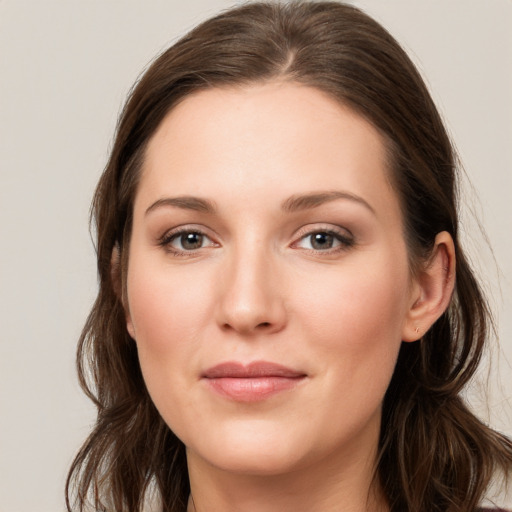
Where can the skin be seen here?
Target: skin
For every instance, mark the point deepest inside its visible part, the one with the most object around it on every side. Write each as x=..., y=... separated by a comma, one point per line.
x=256, y=287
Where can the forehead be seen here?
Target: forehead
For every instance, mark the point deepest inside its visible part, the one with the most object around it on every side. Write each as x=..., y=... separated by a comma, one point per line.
x=276, y=138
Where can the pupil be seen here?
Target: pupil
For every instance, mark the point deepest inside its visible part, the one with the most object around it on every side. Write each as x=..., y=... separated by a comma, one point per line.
x=322, y=241
x=192, y=241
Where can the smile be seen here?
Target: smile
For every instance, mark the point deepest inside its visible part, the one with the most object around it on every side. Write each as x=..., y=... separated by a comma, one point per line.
x=251, y=383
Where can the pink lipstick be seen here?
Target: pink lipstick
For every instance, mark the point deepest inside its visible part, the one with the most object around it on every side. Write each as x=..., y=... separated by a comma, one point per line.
x=253, y=382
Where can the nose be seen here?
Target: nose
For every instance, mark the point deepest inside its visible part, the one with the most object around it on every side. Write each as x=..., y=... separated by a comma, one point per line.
x=251, y=297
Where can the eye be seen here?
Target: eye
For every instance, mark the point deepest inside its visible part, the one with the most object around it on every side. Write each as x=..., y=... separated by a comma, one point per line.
x=324, y=240
x=186, y=241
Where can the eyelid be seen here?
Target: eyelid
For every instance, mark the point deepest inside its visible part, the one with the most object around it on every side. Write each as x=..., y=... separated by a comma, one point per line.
x=346, y=238
x=169, y=235
x=323, y=227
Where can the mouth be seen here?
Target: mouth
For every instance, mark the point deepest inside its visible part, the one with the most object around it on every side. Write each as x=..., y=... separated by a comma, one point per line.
x=253, y=382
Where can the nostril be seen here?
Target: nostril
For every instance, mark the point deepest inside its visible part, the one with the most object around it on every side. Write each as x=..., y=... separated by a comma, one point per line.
x=264, y=324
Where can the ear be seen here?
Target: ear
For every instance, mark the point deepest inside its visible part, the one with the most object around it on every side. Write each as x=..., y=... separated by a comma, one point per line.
x=432, y=289
x=117, y=284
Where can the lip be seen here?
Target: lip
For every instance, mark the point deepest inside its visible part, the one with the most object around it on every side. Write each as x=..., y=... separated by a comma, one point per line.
x=253, y=382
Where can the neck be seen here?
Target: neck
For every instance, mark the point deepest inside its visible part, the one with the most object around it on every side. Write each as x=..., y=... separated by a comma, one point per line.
x=323, y=487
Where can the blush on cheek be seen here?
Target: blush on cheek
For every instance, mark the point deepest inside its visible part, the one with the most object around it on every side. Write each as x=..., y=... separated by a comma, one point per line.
x=160, y=307
x=364, y=310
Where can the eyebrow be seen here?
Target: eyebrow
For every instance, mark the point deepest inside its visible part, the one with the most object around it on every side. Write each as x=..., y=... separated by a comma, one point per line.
x=315, y=199
x=185, y=202
x=294, y=203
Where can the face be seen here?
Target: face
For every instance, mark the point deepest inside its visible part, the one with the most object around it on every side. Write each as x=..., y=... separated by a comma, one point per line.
x=268, y=286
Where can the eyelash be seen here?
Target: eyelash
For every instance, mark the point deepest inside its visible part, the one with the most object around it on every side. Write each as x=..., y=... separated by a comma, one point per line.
x=345, y=241
x=166, y=240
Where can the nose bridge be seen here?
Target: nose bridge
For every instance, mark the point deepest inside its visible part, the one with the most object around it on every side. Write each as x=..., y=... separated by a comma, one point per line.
x=251, y=298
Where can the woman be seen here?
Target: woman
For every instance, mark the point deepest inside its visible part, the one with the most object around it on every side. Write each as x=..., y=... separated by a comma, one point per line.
x=285, y=318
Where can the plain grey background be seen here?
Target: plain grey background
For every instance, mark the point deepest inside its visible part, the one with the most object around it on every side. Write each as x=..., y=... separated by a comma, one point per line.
x=65, y=69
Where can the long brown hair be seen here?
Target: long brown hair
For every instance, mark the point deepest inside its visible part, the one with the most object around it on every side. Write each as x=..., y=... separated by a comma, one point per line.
x=435, y=454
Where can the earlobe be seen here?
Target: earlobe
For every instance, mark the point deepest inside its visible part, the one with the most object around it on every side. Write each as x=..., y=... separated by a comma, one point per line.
x=432, y=290
x=129, y=326
x=117, y=284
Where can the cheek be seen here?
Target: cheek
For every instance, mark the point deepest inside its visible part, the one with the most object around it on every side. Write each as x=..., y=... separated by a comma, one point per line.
x=168, y=311
x=164, y=312
x=356, y=322
x=358, y=303
x=163, y=307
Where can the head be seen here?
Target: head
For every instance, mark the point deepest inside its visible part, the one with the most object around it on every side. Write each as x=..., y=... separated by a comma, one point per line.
x=351, y=66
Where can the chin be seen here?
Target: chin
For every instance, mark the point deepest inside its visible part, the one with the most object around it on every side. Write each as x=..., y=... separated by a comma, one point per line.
x=254, y=451
x=255, y=462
